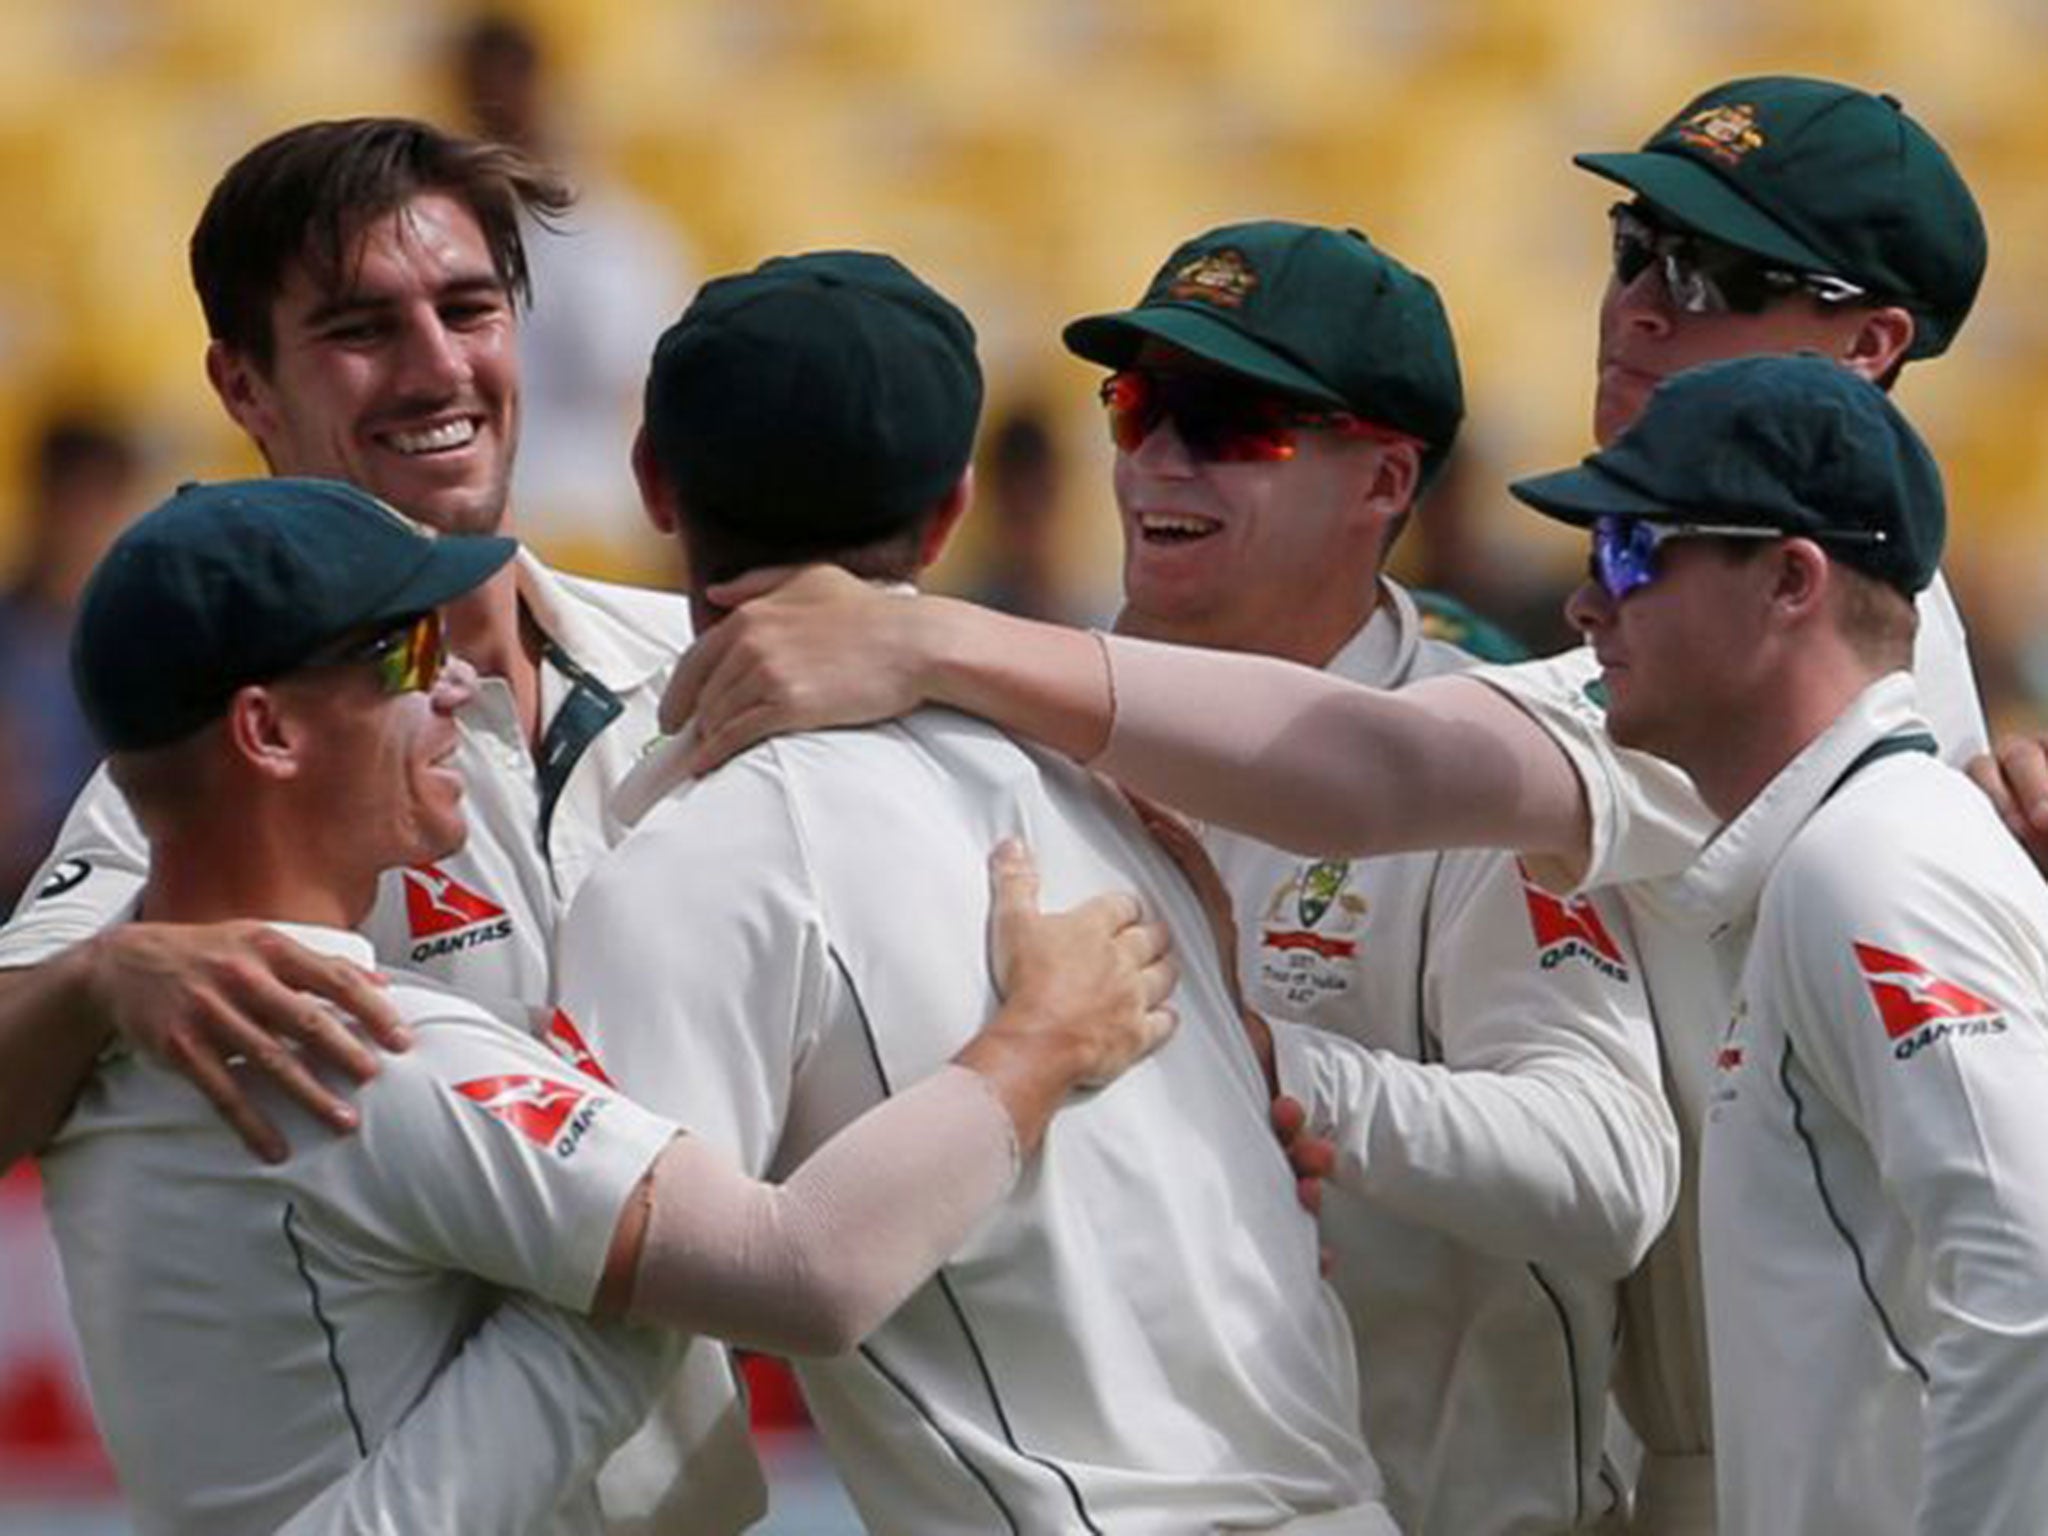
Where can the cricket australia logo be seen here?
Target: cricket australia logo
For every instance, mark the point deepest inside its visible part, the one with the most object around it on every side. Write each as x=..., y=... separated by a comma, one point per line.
x=445, y=917
x=1919, y=1008
x=547, y=1113
x=1223, y=278
x=1727, y=133
x=1309, y=935
x=1570, y=929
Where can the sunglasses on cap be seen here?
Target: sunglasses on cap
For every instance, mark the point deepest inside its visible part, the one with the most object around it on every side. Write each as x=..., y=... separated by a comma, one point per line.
x=1705, y=277
x=1624, y=554
x=1220, y=419
x=408, y=657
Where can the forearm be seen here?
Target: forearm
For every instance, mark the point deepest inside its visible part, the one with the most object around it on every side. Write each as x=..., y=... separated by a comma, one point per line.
x=1555, y=1161
x=813, y=1265
x=1045, y=682
x=50, y=1035
x=1321, y=766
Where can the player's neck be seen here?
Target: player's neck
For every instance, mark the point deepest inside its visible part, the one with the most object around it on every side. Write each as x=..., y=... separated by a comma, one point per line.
x=249, y=868
x=489, y=629
x=1803, y=704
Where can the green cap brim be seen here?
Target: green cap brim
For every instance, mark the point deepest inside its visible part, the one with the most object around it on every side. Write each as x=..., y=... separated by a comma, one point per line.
x=1581, y=494
x=1699, y=199
x=457, y=565
x=1114, y=341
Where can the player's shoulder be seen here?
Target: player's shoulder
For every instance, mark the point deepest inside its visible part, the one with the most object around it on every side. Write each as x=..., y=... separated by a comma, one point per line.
x=646, y=612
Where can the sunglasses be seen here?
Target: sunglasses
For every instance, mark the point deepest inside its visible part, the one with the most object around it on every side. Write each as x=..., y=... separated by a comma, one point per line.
x=408, y=657
x=1624, y=553
x=1706, y=277
x=1218, y=419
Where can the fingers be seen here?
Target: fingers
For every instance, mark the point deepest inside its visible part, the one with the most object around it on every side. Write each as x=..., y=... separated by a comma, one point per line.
x=1012, y=881
x=686, y=684
x=210, y=1075
x=756, y=583
x=356, y=992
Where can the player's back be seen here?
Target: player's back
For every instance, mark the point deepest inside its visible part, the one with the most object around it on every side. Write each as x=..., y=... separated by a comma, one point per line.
x=1138, y=1340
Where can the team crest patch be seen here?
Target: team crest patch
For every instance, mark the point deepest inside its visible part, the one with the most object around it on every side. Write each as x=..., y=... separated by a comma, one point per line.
x=1570, y=929
x=445, y=916
x=1223, y=278
x=67, y=876
x=1728, y=132
x=566, y=1041
x=1919, y=1008
x=547, y=1113
x=1301, y=903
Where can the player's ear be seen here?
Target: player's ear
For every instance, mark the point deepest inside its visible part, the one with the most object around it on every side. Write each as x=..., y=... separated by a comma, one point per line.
x=945, y=518
x=657, y=491
x=243, y=390
x=264, y=732
x=1799, y=578
x=1878, y=343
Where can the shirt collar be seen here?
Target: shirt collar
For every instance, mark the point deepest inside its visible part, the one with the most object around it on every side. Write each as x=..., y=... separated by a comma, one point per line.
x=616, y=653
x=337, y=943
x=1382, y=652
x=1724, y=884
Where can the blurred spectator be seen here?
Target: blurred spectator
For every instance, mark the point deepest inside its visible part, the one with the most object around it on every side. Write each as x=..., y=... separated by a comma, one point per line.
x=1018, y=489
x=604, y=285
x=1476, y=590
x=84, y=486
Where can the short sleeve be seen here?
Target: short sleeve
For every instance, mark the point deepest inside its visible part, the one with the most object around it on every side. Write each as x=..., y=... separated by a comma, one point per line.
x=532, y=1161
x=89, y=881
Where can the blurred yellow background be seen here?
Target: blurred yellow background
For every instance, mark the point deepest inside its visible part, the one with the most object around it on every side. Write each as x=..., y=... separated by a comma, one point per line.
x=1036, y=159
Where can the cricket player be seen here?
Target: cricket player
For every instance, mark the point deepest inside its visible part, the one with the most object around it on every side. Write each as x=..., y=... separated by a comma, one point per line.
x=1873, y=1212
x=361, y=282
x=1281, y=395
x=1138, y=1340
x=1822, y=186
x=264, y=662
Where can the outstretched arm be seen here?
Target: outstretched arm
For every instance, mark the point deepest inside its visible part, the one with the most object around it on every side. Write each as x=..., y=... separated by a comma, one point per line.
x=1269, y=748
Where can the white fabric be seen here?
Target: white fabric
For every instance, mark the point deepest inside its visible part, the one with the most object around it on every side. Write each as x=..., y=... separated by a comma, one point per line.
x=1139, y=1332
x=1647, y=824
x=251, y=1330
x=483, y=922
x=1873, y=1204
x=1506, y=1151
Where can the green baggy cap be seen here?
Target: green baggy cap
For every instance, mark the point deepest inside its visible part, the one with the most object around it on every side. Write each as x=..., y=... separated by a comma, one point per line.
x=1799, y=444
x=1305, y=310
x=237, y=583
x=1821, y=178
x=819, y=401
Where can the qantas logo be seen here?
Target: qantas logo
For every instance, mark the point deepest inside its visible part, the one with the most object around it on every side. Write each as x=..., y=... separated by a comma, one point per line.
x=567, y=1041
x=1565, y=929
x=1919, y=1008
x=446, y=917
x=545, y=1112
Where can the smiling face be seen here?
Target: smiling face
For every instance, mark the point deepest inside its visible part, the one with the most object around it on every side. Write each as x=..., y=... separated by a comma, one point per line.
x=380, y=779
x=400, y=376
x=1277, y=557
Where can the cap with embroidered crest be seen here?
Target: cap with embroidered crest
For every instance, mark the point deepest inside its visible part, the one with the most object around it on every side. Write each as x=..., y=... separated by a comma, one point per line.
x=242, y=581
x=1823, y=179
x=1797, y=444
x=1318, y=313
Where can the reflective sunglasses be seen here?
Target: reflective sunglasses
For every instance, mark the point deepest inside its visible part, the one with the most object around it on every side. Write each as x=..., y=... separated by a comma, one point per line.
x=408, y=657
x=1624, y=553
x=1706, y=277
x=1217, y=418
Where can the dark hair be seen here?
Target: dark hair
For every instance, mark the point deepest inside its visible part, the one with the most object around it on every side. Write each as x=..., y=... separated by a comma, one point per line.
x=71, y=444
x=307, y=193
x=717, y=553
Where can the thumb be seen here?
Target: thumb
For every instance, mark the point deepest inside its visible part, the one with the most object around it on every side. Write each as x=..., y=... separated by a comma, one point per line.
x=1013, y=880
x=755, y=583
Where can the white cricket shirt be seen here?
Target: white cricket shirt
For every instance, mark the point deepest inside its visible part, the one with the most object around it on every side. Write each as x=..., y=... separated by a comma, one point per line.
x=1482, y=1050
x=1137, y=1341
x=250, y=1331
x=1648, y=823
x=1874, y=1194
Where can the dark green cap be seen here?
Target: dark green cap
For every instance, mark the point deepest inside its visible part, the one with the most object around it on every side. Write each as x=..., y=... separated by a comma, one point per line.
x=1795, y=443
x=1820, y=178
x=819, y=400
x=1310, y=311
x=227, y=585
